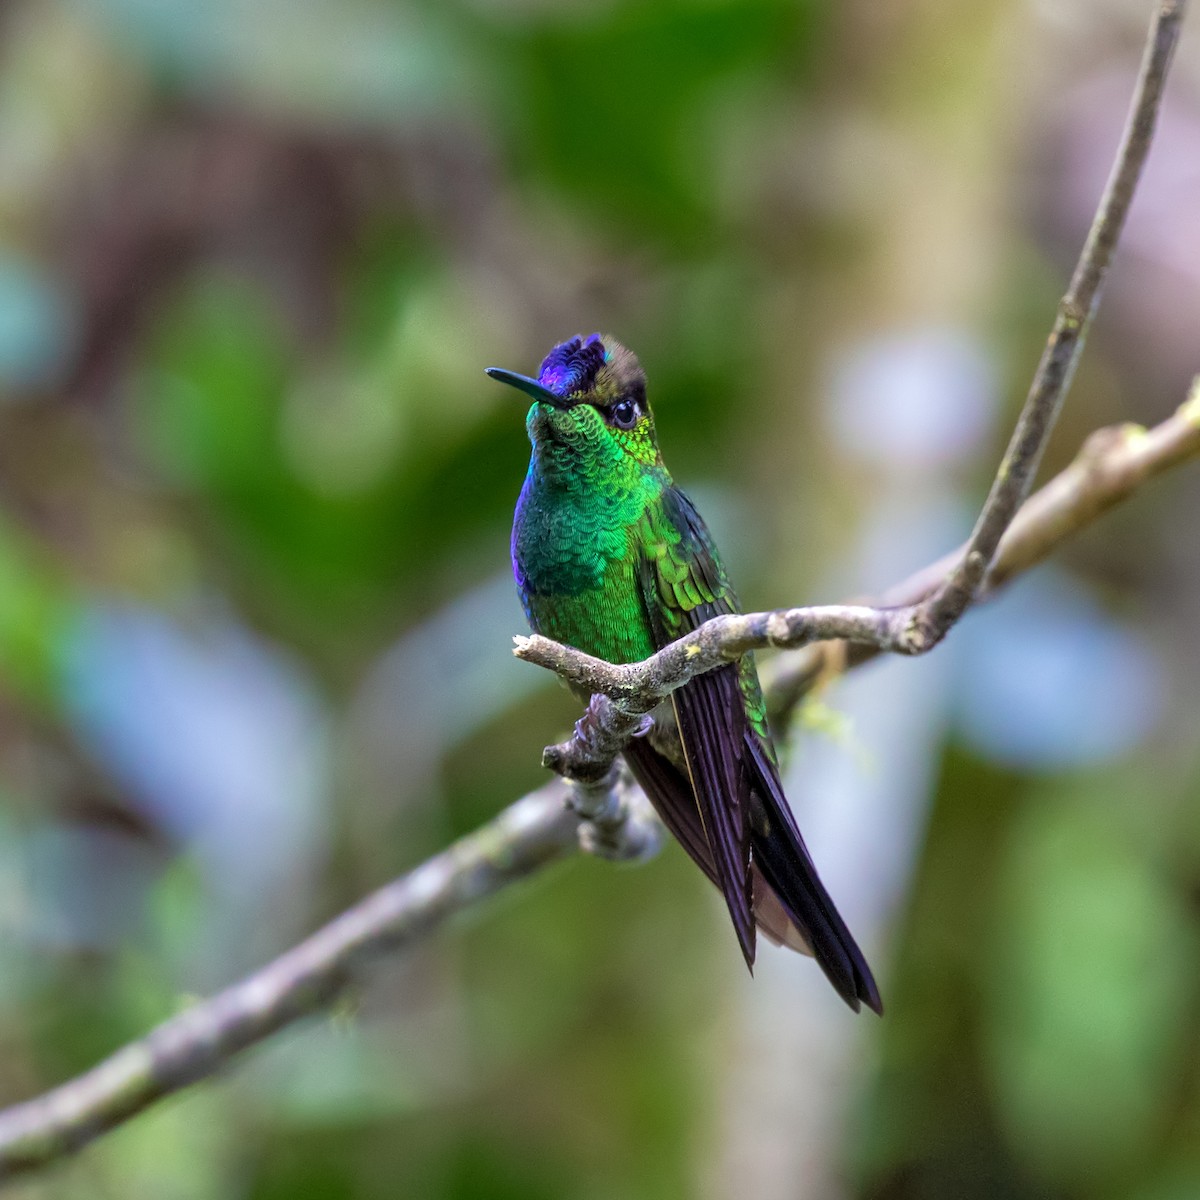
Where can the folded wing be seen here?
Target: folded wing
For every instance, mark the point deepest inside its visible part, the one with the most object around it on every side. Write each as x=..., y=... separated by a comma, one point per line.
x=723, y=800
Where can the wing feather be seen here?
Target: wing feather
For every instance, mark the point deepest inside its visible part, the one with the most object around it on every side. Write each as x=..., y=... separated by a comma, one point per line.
x=708, y=712
x=729, y=811
x=711, y=723
x=782, y=857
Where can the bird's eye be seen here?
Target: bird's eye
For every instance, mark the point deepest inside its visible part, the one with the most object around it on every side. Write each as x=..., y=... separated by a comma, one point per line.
x=625, y=413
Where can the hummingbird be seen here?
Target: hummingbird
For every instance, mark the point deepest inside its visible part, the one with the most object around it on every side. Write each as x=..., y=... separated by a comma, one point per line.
x=612, y=558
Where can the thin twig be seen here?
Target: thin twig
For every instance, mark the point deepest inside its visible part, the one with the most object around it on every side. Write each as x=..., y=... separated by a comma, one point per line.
x=526, y=836
x=1065, y=344
x=1113, y=463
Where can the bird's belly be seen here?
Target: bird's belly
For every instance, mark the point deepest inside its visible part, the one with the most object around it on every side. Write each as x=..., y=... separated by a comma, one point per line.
x=608, y=621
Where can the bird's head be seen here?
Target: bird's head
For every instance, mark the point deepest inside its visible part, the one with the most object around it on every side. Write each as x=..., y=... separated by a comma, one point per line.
x=589, y=405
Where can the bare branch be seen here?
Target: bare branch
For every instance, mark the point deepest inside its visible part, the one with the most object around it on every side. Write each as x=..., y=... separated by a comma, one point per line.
x=1112, y=464
x=525, y=837
x=540, y=828
x=635, y=688
x=617, y=821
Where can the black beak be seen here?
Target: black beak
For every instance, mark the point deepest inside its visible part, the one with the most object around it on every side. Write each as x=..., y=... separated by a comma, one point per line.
x=530, y=387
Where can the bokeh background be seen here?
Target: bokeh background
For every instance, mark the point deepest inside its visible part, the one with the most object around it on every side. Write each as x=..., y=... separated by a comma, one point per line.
x=255, y=611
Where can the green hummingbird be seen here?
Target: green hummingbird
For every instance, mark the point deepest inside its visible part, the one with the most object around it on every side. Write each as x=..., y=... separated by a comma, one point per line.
x=612, y=558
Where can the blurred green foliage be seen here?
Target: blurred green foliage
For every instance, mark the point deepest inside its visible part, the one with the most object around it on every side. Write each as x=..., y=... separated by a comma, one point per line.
x=258, y=475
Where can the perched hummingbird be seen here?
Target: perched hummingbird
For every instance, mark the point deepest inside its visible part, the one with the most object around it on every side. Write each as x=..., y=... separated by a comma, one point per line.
x=612, y=558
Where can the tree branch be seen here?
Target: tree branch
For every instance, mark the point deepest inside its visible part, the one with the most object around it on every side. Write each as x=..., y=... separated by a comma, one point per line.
x=608, y=815
x=1112, y=464
x=526, y=836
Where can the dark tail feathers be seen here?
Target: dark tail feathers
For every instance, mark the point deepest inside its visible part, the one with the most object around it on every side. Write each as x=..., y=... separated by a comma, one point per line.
x=781, y=856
